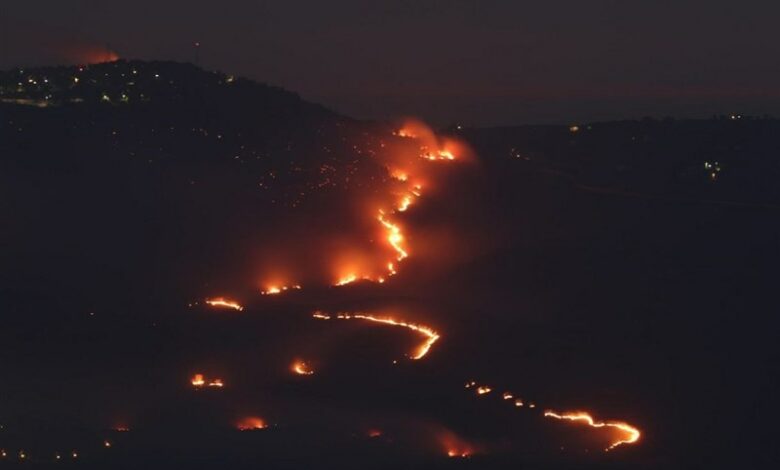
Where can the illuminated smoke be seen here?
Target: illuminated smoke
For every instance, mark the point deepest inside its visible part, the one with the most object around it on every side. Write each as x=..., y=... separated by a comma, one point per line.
x=224, y=303
x=430, y=335
x=631, y=433
x=454, y=446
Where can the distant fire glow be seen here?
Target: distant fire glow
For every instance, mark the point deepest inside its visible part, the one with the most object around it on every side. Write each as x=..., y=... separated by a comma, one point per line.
x=454, y=446
x=631, y=433
x=430, y=335
x=251, y=423
x=221, y=302
x=273, y=290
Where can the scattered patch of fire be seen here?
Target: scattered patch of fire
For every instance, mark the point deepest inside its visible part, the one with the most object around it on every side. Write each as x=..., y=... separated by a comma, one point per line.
x=200, y=381
x=301, y=368
x=221, y=302
x=274, y=289
x=430, y=335
x=251, y=423
x=631, y=434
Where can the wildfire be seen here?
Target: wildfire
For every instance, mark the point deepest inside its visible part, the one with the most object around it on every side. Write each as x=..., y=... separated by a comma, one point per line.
x=399, y=175
x=222, y=302
x=420, y=352
x=346, y=280
x=251, y=423
x=301, y=368
x=394, y=236
x=437, y=155
x=273, y=290
x=632, y=434
x=406, y=201
x=483, y=390
x=198, y=381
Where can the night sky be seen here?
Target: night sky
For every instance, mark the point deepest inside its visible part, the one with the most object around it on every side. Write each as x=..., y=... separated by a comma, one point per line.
x=478, y=62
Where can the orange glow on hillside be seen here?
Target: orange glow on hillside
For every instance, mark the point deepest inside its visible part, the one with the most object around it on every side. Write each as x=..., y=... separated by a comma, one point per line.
x=454, y=446
x=631, y=433
x=251, y=423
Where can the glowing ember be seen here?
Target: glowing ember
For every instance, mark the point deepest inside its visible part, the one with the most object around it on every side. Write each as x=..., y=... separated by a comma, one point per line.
x=106, y=444
x=374, y=433
x=301, y=368
x=632, y=434
x=251, y=423
x=216, y=383
x=507, y=396
x=518, y=403
x=430, y=335
x=223, y=302
x=482, y=390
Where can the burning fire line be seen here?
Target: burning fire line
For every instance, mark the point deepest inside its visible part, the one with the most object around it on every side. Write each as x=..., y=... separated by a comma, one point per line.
x=223, y=302
x=632, y=433
x=420, y=352
x=394, y=233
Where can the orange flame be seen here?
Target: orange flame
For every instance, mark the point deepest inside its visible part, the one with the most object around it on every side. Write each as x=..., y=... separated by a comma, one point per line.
x=223, y=302
x=430, y=335
x=301, y=368
x=198, y=381
x=632, y=433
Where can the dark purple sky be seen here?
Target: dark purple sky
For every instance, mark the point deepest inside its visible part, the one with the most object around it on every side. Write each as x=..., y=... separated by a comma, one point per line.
x=480, y=62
